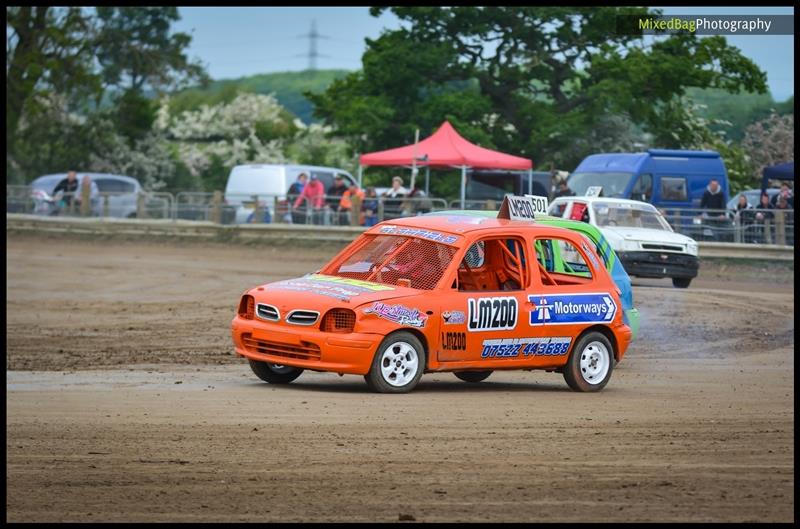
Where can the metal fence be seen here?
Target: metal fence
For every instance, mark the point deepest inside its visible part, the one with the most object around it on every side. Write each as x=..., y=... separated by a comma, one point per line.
x=771, y=226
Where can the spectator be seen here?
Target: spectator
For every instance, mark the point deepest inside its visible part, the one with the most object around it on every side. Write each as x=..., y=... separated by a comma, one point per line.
x=788, y=218
x=713, y=202
x=346, y=203
x=713, y=198
x=291, y=196
x=743, y=216
x=786, y=193
x=370, y=207
x=392, y=204
x=416, y=203
x=312, y=199
x=763, y=216
x=564, y=190
x=334, y=197
x=94, y=193
x=69, y=188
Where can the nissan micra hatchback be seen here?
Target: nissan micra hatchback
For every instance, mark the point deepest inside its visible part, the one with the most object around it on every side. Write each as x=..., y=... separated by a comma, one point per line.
x=462, y=294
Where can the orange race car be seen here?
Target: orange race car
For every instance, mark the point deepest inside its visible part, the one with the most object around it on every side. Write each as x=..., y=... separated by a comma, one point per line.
x=425, y=294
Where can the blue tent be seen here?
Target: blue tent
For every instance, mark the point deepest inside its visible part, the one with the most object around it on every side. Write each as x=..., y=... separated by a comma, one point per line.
x=783, y=171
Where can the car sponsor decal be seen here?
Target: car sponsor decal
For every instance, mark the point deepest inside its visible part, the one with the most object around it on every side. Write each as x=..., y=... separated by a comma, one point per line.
x=572, y=308
x=357, y=283
x=454, y=317
x=332, y=291
x=419, y=232
x=398, y=313
x=515, y=347
x=454, y=341
x=492, y=314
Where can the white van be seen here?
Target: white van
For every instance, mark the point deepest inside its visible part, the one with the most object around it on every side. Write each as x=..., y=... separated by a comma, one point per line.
x=268, y=181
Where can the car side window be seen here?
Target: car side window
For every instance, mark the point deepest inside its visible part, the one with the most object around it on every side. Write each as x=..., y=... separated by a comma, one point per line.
x=673, y=188
x=560, y=262
x=493, y=264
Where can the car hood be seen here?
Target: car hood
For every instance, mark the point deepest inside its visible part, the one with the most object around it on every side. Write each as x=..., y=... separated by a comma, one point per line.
x=322, y=292
x=645, y=235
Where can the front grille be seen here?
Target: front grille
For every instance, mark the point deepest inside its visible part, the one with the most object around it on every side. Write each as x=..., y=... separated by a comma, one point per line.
x=668, y=247
x=339, y=320
x=305, y=351
x=268, y=312
x=302, y=317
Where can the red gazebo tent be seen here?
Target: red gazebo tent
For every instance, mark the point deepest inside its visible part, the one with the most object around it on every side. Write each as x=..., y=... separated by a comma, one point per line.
x=446, y=148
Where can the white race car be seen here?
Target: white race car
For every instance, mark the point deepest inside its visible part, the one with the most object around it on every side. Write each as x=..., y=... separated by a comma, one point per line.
x=639, y=234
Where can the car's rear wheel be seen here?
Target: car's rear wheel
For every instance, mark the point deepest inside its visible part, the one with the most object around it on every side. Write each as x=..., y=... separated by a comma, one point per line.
x=473, y=376
x=590, y=365
x=681, y=282
x=398, y=364
x=275, y=373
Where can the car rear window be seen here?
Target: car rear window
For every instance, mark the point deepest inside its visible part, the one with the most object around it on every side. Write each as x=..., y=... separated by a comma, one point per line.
x=392, y=259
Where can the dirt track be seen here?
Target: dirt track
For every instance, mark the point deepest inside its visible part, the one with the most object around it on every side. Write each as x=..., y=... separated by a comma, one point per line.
x=118, y=407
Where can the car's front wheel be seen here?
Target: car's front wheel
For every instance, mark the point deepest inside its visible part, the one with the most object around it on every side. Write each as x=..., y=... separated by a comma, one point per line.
x=681, y=282
x=473, y=376
x=590, y=365
x=398, y=364
x=274, y=373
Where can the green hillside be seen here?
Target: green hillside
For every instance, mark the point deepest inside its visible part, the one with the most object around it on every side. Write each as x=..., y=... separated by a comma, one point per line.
x=288, y=88
x=739, y=109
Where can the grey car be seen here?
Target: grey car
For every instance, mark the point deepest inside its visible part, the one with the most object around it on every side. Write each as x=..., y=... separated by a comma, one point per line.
x=121, y=191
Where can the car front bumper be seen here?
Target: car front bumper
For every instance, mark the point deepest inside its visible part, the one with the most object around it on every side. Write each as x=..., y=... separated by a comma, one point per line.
x=660, y=264
x=307, y=348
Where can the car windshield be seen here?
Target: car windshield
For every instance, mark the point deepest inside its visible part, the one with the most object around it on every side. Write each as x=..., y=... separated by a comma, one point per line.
x=396, y=260
x=613, y=184
x=629, y=216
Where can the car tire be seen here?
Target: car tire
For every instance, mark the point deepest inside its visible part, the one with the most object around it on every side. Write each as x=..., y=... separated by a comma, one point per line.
x=473, y=376
x=681, y=282
x=274, y=373
x=398, y=364
x=590, y=364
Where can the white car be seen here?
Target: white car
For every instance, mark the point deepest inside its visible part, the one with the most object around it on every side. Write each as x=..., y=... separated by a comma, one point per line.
x=639, y=234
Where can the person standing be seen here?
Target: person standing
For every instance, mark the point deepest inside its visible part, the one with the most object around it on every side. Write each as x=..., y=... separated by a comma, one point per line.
x=291, y=196
x=393, y=202
x=312, y=198
x=334, y=197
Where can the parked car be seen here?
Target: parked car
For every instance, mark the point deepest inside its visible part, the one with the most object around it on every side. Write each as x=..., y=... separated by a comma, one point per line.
x=666, y=178
x=121, y=190
x=639, y=234
x=440, y=294
x=269, y=181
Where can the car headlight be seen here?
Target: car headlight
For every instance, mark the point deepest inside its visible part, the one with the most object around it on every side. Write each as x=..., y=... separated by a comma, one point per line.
x=628, y=246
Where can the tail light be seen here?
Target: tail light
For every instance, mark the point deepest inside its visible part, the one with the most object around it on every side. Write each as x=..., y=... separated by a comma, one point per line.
x=247, y=307
x=339, y=320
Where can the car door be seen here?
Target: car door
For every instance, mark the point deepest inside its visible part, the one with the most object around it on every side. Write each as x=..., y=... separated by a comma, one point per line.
x=483, y=309
x=567, y=297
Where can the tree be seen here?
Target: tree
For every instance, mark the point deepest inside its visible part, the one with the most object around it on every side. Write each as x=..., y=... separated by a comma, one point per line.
x=135, y=49
x=547, y=75
x=48, y=50
x=769, y=142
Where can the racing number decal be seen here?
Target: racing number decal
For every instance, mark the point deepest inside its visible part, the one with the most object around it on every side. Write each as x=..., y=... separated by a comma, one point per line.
x=454, y=341
x=492, y=314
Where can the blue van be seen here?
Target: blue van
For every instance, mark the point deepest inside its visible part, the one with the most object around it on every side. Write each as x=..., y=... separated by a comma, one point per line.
x=665, y=178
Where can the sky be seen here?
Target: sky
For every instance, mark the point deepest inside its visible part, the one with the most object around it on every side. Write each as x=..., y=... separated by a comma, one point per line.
x=239, y=41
